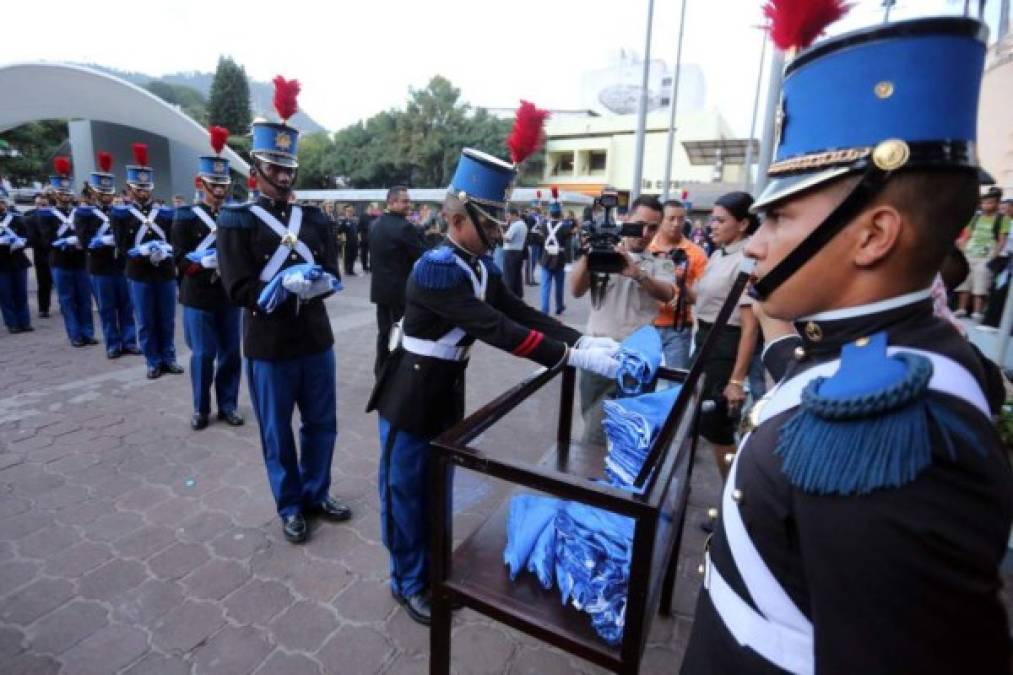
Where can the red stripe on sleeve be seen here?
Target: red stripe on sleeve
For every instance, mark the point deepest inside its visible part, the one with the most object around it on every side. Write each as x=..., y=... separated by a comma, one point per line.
x=529, y=344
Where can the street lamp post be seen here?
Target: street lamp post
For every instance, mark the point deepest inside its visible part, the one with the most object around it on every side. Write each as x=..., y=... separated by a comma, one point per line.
x=752, y=121
x=638, y=158
x=770, y=121
x=673, y=101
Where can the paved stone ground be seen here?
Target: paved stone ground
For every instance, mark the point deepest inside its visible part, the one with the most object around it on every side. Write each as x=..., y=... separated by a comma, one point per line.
x=130, y=544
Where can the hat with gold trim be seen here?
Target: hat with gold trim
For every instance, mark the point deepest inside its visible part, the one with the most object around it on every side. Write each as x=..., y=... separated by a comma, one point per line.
x=215, y=168
x=899, y=96
x=60, y=180
x=484, y=181
x=140, y=174
x=277, y=142
x=102, y=181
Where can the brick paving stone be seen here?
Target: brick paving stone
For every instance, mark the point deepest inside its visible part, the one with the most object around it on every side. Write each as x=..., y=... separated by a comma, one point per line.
x=36, y=599
x=31, y=664
x=11, y=642
x=258, y=602
x=225, y=498
x=280, y=663
x=17, y=574
x=539, y=661
x=365, y=601
x=157, y=664
x=65, y=496
x=356, y=649
x=233, y=651
x=405, y=664
x=172, y=511
x=82, y=514
x=240, y=543
x=143, y=497
x=77, y=559
x=178, y=560
x=485, y=648
x=145, y=542
x=319, y=579
x=149, y=601
x=215, y=579
x=187, y=626
x=105, y=651
x=44, y=543
x=12, y=506
x=303, y=626
x=204, y=526
x=6, y=550
x=67, y=626
x=112, y=579
x=24, y=524
x=408, y=636
x=113, y=526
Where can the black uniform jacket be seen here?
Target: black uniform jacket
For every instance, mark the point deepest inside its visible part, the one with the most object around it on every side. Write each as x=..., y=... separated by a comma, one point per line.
x=425, y=395
x=245, y=245
x=125, y=229
x=900, y=580
x=104, y=260
x=563, y=233
x=14, y=260
x=49, y=229
x=36, y=237
x=394, y=246
x=199, y=287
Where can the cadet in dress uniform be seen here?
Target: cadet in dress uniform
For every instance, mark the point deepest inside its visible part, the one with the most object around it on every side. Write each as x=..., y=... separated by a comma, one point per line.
x=455, y=296
x=105, y=264
x=141, y=231
x=210, y=320
x=865, y=517
x=13, y=270
x=67, y=258
x=289, y=351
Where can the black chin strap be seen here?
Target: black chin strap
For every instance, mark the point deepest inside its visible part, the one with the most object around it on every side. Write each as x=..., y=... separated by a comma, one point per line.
x=873, y=181
x=475, y=216
x=285, y=191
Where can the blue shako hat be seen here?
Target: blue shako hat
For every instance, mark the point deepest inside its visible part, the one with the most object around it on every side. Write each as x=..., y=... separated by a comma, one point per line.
x=140, y=174
x=215, y=169
x=60, y=180
x=277, y=142
x=103, y=181
x=901, y=95
x=485, y=181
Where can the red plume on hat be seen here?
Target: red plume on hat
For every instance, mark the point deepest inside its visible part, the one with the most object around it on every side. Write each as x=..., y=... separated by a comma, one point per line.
x=555, y=192
x=538, y=195
x=795, y=24
x=140, y=151
x=61, y=165
x=105, y=161
x=286, y=94
x=527, y=134
x=218, y=136
x=197, y=183
x=251, y=182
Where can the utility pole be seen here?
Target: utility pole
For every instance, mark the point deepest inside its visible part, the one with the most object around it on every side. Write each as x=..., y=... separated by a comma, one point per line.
x=770, y=121
x=752, y=122
x=887, y=6
x=673, y=101
x=638, y=158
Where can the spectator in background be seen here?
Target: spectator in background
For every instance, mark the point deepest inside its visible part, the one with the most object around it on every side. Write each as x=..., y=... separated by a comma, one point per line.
x=178, y=201
x=1003, y=268
x=553, y=261
x=395, y=244
x=675, y=320
x=362, y=230
x=982, y=239
x=535, y=243
x=348, y=227
x=513, y=251
x=40, y=254
x=727, y=367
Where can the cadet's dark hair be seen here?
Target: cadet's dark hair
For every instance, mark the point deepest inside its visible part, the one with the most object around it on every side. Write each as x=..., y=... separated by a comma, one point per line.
x=674, y=203
x=650, y=201
x=393, y=192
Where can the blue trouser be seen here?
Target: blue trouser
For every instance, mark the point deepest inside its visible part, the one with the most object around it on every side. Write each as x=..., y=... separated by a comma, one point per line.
x=276, y=387
x=74, y=292
x=675, y=345
x=14, y=298
x=550, y=278
x=115, y=310
x=213, y=335
x=155, y=302
x=534, y=255
x=403, y=482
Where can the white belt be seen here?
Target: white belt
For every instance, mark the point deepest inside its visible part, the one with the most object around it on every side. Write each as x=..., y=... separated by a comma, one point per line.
x=434, y=349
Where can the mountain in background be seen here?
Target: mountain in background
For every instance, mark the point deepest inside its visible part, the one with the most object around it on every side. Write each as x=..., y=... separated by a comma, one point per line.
x=261, y=93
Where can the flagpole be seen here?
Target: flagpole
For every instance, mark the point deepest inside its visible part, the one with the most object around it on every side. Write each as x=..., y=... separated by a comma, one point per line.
x=673, y=101
x=638, y=158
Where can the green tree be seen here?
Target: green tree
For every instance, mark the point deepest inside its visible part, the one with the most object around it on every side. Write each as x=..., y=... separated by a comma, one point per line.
x=229, y=102
x=191, y=101
x=316, y=161
x=30, y=151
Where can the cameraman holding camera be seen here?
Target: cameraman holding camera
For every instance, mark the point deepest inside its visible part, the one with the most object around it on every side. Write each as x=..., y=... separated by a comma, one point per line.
x=625, y=290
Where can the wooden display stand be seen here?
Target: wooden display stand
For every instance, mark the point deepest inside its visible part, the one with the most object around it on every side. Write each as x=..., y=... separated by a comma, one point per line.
x=474, y=574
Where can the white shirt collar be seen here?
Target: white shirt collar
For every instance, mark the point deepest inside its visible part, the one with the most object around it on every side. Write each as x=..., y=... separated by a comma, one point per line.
x=871, y=308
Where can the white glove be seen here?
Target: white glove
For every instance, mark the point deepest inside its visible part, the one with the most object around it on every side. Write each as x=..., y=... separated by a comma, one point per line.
x=72, y=240
x=318, y=287
x=7, y=240
x=210, y=261
x=107, y=240
x=160, y=253
x=18, y=243
x=596, y=361
x=147, y=248
x=604, y=343
x=296, y=283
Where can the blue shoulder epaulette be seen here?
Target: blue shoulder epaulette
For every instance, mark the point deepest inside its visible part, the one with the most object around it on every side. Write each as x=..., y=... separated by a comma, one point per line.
x=119, y=211
x=868, y=426
x=491, y=265
x=165, y=212
x=437, y=269
x=236, y=216
x=184, y=213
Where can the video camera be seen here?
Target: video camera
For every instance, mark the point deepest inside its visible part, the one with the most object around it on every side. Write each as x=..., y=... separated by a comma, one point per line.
x=602, y=237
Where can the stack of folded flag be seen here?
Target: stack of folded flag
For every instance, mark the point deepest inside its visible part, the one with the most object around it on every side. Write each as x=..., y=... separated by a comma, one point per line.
x=586, y=550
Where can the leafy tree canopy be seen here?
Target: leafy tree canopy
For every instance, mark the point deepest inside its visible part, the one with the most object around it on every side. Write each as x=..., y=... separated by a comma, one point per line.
x=30, y=150
x=229, y=102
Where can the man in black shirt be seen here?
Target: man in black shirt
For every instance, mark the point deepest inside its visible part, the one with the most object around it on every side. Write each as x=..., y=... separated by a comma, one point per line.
x=105, y=264
x=395, y=244
x=13, y=270
x=362, y=232
x=288, y=346
x=210, y=321
x=347, y=228
x=40, y=255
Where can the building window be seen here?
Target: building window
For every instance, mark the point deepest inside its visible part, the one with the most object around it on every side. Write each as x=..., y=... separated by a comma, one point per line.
x=562, y=164
x=666, y=82
x=596, y=161
x=665, y=100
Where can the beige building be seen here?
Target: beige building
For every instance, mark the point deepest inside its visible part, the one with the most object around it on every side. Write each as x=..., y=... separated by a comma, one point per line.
x=995, y=114
x=584, y=154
